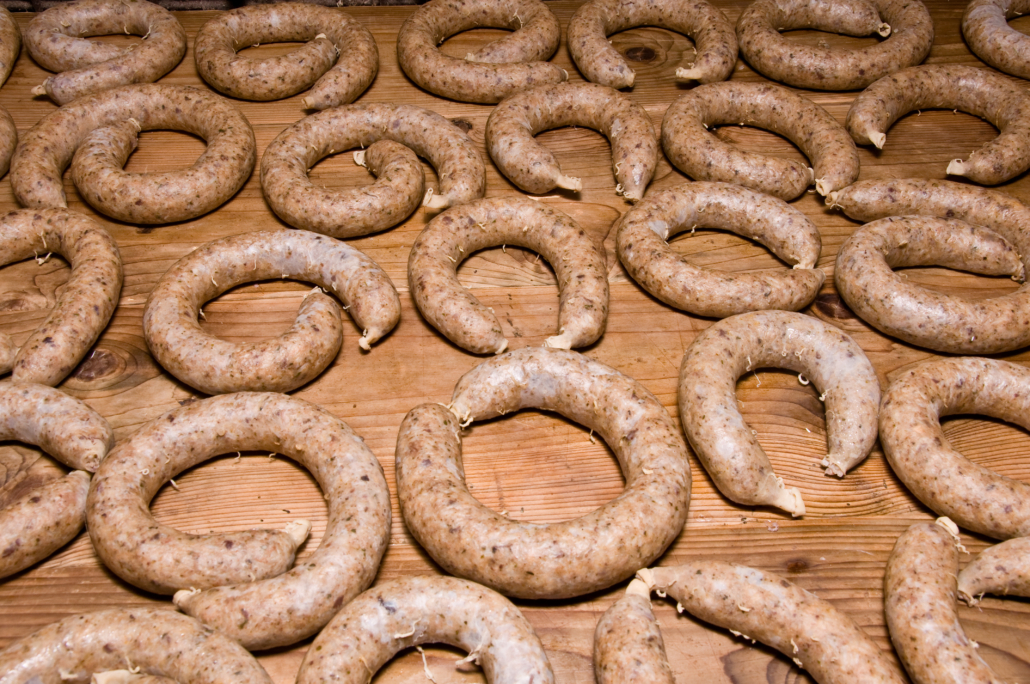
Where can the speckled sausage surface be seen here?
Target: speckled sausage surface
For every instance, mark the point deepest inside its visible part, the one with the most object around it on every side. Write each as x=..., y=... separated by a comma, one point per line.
x=696, y=151
x=8, y=140
x=643, y=232
x=55, y=39
x=1002, y=570
x=532, y=167
x=940, y=477
x=986, y=30
x=714, y=40
x=158, y=642
x=285, y=362
x=980, y=92
x=578, y=263
x=407, y=612
x=907, y=22
x=10, y=44
x=259, y=614
x=332, y=36
x=478, y=78
x=559, y=560
x=628, y=645
x=86, y=301
x=42, y=521
x=727, y=446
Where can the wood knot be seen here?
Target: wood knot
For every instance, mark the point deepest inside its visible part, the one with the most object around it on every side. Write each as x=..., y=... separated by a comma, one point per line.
x=100, y=363
x=796, y=566
x=463, y=124
x=640, y=54
x=832, y=306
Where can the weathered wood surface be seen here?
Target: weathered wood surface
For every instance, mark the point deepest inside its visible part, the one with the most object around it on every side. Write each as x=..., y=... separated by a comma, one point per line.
x=537, y=467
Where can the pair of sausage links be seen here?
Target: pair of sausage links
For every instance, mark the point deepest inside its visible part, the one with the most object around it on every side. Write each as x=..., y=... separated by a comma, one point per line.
x=714, y=40
x=329, y=33
x=157, y=642
x=907, y=22
x=696, y=151
x=260, y=614
x=485, y=76
x=727, y=446
x=980, y=92
x=1001, y=569
x=644, y=230
x=451, y=237
x=940, y=477
x=407, y=612
x=559, y=560
x=532, y=167
x=10, y=47
x=285, y=362
x=986, y=30
x=55, y=41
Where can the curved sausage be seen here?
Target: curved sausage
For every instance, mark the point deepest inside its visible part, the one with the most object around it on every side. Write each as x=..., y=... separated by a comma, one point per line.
x=282, y=363
x=1001, y=569
x=578, y=263
x=986, y=30
x=628, y=645
x=532, y=167
x=706, y=25
x=8, y=140
x=10, y=44
x=258, y=612
x=559, y=560
x=727, y=446
x=407, y=612
x=55, y=40
x=669, y=276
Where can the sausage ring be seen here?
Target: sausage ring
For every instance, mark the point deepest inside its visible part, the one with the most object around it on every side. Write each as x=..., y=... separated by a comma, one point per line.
x=282, y=363
x=1001, y=569
x=706, y=25
x=258, y=612
x=532, y=167
x=407, y=612
x=727, y=446
x=545, y=561
x=483, y=77
x=329, y=33
x=697, y=152
x=10, y=47
x=55, y=41
x=908, y=24
x=451, y=237
x=986, y=30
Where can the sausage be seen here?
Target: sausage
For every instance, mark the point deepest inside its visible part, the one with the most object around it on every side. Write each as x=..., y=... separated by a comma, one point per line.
x=10, y=44
x=286, y=161
x=706, y=25
x=727, y=446
x=907, y=22
x=54, y=39
x=940, y=477
x=329, y=34
x=559, y=560
x=157, y=641
x=980, y=92
x=697, y=152
x=260, y=613
x=1001, y=569
x=282, y=363
x=642, y=233
x=986, y=30
x=532, y=167
x=8, y=139
x=223, y=168
x=410, y=611
x=628, y=644
x=86, y=301
x=578, y=263
x=477, y=78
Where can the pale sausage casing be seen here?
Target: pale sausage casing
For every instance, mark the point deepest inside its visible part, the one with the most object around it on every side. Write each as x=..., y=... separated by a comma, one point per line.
x=1002, y=570
x=986, y=30
x=10, y=47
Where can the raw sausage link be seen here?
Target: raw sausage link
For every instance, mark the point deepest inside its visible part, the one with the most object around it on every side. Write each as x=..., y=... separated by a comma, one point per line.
x=940, y=477
x=87, y=300
x=986, y=30
x=331, y=32
x=980, y=92
x=696, y=151
x=282, y=363
x=10, y=44
x=223, y=168
x=259, y=614
x=907, y=21
x=628, y=645
x=578, y=263
x=8, y=140
x=726, y=444
x=532, y=167
x=706, y=25
x=644, y=230
x=560, y=560
x=1001, y=569
x=476, y=79
x=54, y=40
x=407, y=612
x=42, y=521
x=158, y=642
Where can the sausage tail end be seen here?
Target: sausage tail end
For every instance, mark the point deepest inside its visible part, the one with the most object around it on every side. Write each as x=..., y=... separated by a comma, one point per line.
x=569, y=183
x=957, y=167
x=298, y=531
x=691, y=74
x=884, y=30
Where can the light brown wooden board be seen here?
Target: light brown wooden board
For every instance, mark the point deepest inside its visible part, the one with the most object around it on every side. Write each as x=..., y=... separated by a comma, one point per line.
x=538, y=467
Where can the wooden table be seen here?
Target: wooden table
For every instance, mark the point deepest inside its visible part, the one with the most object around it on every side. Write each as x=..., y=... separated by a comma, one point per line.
x=538, y=467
